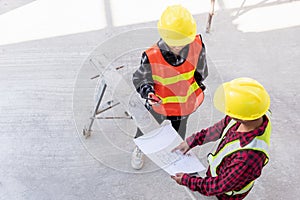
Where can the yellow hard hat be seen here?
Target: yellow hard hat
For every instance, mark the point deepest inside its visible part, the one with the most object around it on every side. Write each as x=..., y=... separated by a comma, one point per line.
x=242, y=98
x=177, y=26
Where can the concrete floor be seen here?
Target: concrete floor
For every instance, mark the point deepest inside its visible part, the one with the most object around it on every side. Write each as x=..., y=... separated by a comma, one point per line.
x=47, y=97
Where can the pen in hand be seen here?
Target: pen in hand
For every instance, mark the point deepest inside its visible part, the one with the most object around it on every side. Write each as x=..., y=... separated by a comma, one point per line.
x=155, y=100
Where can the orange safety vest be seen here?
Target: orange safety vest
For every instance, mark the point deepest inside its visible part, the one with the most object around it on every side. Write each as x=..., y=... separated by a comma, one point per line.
x=176, y=86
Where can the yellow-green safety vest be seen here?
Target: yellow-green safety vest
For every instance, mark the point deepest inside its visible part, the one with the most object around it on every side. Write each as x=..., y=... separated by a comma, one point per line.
x=259, y=143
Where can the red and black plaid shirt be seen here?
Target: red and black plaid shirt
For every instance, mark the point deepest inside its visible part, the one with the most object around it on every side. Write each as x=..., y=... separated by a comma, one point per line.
x=236, y=170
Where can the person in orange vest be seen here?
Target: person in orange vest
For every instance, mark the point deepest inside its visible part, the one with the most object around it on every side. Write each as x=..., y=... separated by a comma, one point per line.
x=244, y=136
x=171, y=73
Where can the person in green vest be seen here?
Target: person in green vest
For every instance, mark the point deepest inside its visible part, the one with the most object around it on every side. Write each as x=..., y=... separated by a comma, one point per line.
x=244, y=135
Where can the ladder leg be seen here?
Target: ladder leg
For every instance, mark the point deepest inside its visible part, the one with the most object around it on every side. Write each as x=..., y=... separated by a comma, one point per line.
x=87, y=132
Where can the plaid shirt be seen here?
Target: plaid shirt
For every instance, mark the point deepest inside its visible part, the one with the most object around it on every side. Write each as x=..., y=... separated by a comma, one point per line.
x=236, y=170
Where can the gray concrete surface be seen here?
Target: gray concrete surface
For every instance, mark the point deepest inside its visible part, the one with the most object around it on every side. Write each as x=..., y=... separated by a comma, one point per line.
x=47, y=97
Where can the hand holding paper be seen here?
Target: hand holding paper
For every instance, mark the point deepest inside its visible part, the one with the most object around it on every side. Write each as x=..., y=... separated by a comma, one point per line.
x=183, y=148
x=178, y=177
x=167, y=150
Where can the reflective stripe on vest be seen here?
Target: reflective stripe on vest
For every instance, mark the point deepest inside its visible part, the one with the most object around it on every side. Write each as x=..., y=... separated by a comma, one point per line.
x=180, y=99
x=259, y=143
x=176, y=86
x=174, y=79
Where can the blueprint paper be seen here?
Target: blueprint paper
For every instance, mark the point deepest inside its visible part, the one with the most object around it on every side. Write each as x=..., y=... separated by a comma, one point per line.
x=158, y=144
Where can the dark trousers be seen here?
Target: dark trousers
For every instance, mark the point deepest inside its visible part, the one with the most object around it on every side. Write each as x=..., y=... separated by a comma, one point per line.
x=179, y=123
